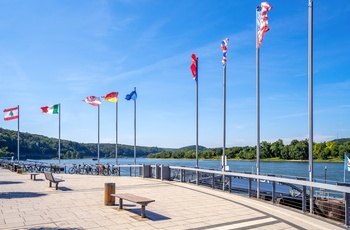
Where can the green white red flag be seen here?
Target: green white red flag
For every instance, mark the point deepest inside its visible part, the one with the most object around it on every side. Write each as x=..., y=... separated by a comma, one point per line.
x=53, y=109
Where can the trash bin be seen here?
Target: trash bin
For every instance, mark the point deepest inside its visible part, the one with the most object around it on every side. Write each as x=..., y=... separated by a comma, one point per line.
x=109, y=189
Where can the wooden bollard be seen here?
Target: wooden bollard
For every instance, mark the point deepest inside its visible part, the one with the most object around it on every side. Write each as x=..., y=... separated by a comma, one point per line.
x=109, y=189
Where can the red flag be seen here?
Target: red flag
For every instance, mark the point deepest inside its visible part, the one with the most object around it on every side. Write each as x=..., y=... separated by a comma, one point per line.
x=194, y=67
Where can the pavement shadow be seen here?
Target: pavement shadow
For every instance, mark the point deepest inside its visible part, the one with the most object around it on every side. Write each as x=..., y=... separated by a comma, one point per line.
x=149, y=215
x=10, y=182
x=16, y=195
x=55, y=228
x=65, y=189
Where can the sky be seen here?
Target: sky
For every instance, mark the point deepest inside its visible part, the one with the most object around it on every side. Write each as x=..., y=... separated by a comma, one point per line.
x=60, y=51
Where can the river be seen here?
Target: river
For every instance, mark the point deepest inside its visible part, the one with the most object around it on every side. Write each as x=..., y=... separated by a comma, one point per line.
x=330, y=172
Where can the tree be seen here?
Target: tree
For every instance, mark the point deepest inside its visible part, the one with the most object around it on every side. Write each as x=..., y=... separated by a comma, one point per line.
x=265, y=151
x=277, y=148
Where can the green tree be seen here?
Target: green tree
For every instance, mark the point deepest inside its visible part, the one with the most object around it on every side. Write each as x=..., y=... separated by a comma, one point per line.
x=265, y=151
x=277, y=148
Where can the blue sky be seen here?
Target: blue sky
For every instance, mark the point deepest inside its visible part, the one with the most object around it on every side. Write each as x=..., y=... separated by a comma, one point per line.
x=62, y=51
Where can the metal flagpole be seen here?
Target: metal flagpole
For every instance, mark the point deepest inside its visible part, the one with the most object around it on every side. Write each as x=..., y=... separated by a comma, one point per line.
x=224, y=129
x=59, y=133
x=116, y=132
x=197, y=112
x=135, y=133
x=197, y=120
x=98, y=135
x=18, y=134
x=344, y=166
x=224, y=124
x=310, y=83
x=257, y=111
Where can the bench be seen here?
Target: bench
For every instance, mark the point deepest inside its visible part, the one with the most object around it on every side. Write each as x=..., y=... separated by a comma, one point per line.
x=33, y=176
x=49, y=177
x=135, y=199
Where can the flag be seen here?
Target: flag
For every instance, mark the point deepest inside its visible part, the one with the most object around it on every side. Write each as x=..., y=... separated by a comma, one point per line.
x=53, y=109
x=111, y=97
x=11, y=114
x=224, y=44
x=93, y=100
x=194, y=67
x=346, y=163
x=132, y=95
x=262, y=21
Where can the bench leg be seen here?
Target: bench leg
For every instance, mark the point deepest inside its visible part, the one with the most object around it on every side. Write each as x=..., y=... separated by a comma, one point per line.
x=143, y=211
x=56, y=186
x=120, y=203
x=50, y=184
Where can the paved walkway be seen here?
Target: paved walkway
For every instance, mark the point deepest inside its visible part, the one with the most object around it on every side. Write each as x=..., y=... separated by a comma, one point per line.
x=79, y=204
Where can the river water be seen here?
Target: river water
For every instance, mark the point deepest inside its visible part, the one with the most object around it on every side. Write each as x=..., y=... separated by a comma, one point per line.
x=330, y=172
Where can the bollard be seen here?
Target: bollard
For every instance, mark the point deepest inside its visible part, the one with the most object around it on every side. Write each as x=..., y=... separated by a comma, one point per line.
x=109, y=189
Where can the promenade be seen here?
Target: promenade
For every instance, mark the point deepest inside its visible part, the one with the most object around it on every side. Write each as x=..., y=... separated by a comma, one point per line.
x=79, y=204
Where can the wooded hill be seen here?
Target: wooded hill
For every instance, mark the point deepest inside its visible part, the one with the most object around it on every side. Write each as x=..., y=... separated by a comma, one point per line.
x=33, y=146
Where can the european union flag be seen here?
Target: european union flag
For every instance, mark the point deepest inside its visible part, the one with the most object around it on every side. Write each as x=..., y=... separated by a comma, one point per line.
x=132, y=95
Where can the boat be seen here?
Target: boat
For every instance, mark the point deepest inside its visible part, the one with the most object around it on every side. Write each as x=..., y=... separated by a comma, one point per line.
x=94, y=159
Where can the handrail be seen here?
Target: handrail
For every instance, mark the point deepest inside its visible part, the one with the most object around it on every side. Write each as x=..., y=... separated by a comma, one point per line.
x=337, y=188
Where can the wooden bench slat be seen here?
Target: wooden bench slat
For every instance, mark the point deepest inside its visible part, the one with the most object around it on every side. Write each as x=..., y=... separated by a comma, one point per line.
x=135, y=199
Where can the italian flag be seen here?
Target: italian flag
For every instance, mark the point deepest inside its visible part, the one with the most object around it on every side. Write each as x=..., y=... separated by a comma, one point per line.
x=11, y=114
x=53, y=109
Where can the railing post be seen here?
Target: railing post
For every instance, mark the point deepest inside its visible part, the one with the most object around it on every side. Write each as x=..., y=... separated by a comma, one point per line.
x=347, y=206
x=273, y=197
x=165, y=172
x=249, y=187
x=181, y=176
x=303, y=205
x=229, y=183
x=212, y=180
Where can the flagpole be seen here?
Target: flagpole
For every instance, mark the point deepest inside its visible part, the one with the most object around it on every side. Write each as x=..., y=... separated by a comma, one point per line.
x=224, y=119
x=345, y=163
x=257, y=111
x=224, y=128
x=116, y=132
x=98, y=135
x=18, y=134
x=59, y=133
x=135, y=133
x=310, y=83
x=197, y=112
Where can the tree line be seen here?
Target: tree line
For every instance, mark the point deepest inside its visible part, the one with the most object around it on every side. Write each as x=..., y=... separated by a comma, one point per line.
x=33, y=146
x=296, y=150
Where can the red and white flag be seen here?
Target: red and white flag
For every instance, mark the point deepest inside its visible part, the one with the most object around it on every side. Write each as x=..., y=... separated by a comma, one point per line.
x=193, y=67
x=11, y=114
x=93, y=100
x=262, y=21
